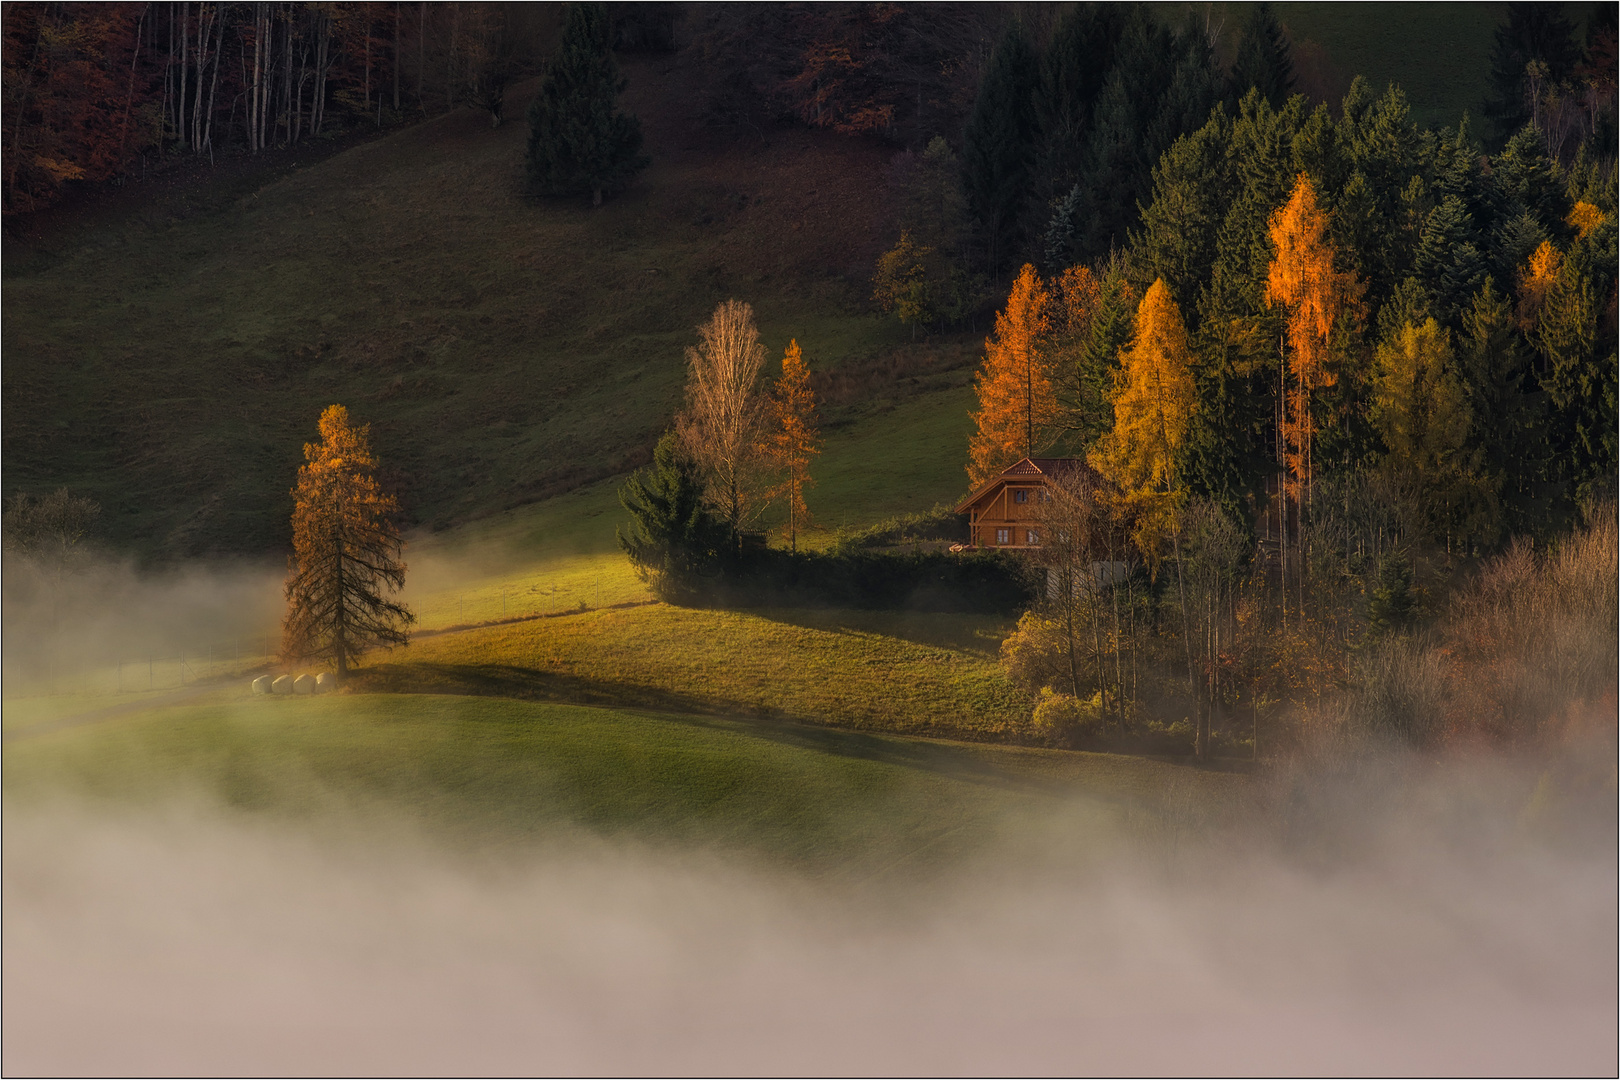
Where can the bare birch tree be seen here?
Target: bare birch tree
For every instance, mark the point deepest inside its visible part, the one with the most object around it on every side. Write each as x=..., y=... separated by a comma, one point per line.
x=720, y=426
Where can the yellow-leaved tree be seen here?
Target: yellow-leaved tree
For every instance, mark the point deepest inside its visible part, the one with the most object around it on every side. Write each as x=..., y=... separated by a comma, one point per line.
x=793, y=438
x=346, y=550
x=1302, y=279
x=1017, y=406
x=1154, y=400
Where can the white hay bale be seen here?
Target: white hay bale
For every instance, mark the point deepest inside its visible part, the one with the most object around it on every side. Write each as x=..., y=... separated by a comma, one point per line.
x=282, y=685
x=261, y=685
x=325, y=681
x=304, y=684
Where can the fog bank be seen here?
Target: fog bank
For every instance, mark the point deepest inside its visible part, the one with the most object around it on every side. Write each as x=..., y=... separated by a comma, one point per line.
x=1458, y=939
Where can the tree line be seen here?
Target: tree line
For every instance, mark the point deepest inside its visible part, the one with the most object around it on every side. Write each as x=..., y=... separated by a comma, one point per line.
x=91, y=88
x=1340, y=357
x=1055, y=162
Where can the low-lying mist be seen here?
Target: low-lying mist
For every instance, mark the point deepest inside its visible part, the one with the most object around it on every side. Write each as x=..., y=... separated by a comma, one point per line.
x=1386, y=914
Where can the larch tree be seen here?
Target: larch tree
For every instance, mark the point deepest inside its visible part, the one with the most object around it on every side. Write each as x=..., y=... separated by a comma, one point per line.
x=1154, y=400
x=1420, y=408
x=793, y=439
x=346, y=550
x=1303, y=281
x=720, y=427
x=1017, y=405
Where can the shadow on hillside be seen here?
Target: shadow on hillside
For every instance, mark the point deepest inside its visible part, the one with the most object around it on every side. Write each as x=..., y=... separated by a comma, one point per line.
x=978, y=635
x=960, y=762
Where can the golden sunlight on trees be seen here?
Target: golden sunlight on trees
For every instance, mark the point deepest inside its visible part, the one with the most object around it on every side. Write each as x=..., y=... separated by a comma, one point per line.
x=719, y=428
x=1017, y=406
x=793, y=439
x=1537, y=277
x=1302, y=279
x=1419, y=406
x=1584, y=217
x=1154, y=401
x=346, y=551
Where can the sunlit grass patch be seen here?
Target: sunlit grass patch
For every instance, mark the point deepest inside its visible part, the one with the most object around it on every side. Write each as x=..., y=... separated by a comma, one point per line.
x=933, y=674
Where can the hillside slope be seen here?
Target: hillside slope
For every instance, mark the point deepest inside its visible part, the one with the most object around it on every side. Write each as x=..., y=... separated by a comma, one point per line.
x=503, y=349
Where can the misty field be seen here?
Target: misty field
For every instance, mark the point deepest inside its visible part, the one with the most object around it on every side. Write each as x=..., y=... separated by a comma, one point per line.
x=492, y=772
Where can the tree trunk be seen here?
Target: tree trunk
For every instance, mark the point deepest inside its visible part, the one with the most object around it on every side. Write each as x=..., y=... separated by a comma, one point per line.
x=219, y=50
x=180, y=99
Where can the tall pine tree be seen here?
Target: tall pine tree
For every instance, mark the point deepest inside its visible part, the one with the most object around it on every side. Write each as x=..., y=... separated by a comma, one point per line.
x=1073, y=69
x=578, y=140
x=997, y=144
x=1263, y=60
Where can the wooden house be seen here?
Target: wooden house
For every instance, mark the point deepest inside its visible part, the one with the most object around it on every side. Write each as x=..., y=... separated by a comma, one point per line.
x=1004, y=512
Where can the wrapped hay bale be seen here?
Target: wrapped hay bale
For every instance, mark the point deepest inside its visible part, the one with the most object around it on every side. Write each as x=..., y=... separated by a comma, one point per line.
x=282, y=685
x=261, y=685
x=325, y=681
x=304, y=684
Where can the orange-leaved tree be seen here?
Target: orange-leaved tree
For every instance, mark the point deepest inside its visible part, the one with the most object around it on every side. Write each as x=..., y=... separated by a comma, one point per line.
x=346, y=550
x=793, y=438
x=1016, y=403
x=1315, y=296
x=1536, y=279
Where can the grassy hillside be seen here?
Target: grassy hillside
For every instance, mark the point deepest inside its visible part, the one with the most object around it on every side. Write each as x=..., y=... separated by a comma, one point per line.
x=170, y=360
x=503, y=349
x=493, y=771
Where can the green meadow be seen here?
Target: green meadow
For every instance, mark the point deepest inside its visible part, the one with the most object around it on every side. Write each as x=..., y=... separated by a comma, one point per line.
x=515, y=360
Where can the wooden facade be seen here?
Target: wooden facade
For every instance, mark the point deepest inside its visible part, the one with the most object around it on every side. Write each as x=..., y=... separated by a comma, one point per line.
x=1004, y=513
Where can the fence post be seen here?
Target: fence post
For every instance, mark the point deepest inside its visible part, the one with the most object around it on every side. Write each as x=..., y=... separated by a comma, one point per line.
x=120, y=675
x=149, y=671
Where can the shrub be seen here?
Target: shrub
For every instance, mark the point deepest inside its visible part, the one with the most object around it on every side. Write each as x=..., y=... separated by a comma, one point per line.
x=1063, y=719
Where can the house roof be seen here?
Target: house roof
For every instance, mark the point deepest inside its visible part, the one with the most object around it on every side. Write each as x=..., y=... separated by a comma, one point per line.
x=1025, y=468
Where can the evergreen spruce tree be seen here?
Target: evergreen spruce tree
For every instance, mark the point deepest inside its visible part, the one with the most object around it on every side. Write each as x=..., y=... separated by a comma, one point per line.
x=1073, y=69
x=1523, y=175
x=1263, y=60
x=997, y=144
x=672, y=539
x=1495, y=370
x=578, y=142
x=1057, y=248
x=1448, y=260
x=1119, y=158
x=1530, y=31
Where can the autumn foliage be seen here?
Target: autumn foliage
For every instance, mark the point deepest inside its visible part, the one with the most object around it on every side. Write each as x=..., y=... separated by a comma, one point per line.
x=346, y=551
x=1302, y=280
x=1154, y=401
x=792, y=439
x=1017, y=405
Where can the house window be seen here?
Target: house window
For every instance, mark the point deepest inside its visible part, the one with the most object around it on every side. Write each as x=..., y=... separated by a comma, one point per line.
x=1031, y=537
x=1003, y=536
x=1020, y=496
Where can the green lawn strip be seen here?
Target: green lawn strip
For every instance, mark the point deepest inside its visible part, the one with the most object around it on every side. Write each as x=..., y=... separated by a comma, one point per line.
x=933, y=674
x=492, y=770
